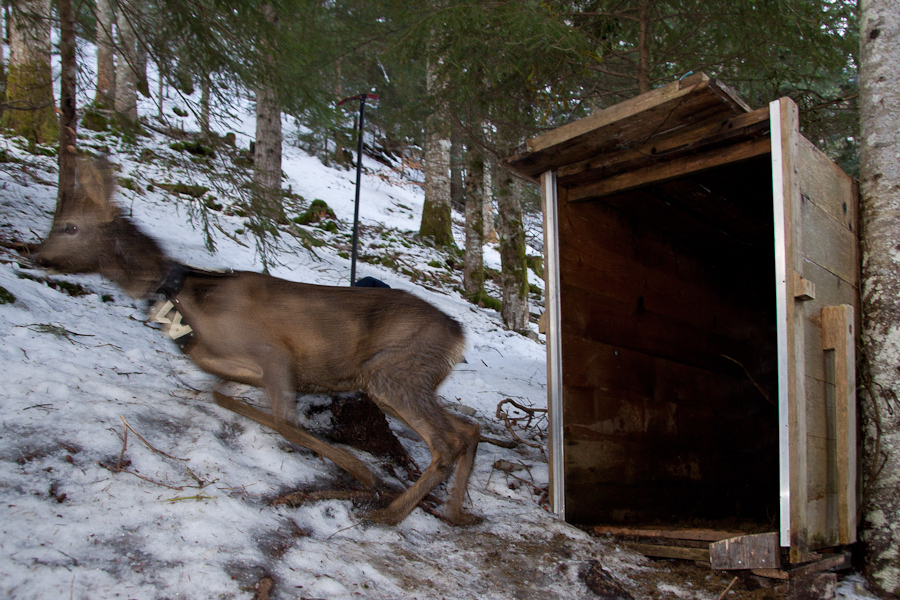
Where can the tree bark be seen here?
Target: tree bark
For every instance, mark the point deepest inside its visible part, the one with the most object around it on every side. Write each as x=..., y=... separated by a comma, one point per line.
x=267, y=155
x=68, y=121
x=490, y=232
x=880, y=209
x=204, y=106
x=106, y=66
x=29, y=90
x=473, y=262
x=514, y=269
x=436, y=213
x=126, y=66
x=644, y=46
x=456, y=168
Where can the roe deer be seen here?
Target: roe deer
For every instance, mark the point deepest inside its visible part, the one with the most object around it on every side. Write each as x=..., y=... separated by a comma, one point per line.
x=284, y=336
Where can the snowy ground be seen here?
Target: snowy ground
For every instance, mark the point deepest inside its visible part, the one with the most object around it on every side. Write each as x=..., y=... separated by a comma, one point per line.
x=191, y=516
x=186, y=512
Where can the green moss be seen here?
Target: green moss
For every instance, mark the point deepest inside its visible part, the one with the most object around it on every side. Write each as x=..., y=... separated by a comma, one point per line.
x=437, y=225
x=128, y=184
x=26, y=86
x=94, y=121
x=193, y=148
x=482, y=299
x=6, y=297
x=317, y=211
x=194, y=191
x=72, y=289
x=179, y=111
x=536, y=264
x=344, y=255
x=436, y=264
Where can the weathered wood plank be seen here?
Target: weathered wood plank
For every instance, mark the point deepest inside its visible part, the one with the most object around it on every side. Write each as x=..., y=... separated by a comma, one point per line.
x=695, y=99
x=828, y=244
x=698, y=554
x=828, y=561
x=757, y=551
x=701, y=138
x=673, y=169
x=674, y=533
x=784, y=118
x=838, y=335
x=826, y=185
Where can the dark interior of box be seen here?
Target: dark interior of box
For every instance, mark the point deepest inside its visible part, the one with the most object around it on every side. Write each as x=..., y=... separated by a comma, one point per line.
x=669, y=351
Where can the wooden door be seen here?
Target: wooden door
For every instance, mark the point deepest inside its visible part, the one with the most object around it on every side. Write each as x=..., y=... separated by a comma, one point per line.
x=817, y=294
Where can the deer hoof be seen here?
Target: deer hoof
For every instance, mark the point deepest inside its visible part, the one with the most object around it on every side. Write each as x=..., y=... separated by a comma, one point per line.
x=463, y=519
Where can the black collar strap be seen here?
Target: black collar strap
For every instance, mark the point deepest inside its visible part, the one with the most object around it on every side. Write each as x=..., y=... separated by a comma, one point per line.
x=167, y=309
x=174, y=282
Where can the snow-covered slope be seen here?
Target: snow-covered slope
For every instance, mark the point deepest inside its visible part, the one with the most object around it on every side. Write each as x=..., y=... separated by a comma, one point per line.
x=119, y=477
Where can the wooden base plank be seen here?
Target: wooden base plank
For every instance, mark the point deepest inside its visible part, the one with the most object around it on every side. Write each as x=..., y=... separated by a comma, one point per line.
x=658, y=551
x=828, y=561
x=701, y=535
x=759, y=551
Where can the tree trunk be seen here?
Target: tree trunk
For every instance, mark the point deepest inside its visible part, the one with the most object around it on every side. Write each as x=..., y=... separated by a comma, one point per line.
x=29, y=90
x=126, y=67
x=880, y=205
x=140, y=66
x=436, y=213
x=267, y=205
x=267, y=156
x=204, y=106
x=512, y=253
x=68, y=121
x=473, y=263
x=644, y=46
x=106, y=66
x=456, y=168
x=490, y=232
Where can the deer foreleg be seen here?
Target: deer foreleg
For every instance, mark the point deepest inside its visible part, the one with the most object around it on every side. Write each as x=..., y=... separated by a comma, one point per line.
x=341, y=458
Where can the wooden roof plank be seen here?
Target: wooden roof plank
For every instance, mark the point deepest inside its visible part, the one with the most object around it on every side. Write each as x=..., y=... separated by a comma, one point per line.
x=658, y=173
x=681, y=143
x=686, y=102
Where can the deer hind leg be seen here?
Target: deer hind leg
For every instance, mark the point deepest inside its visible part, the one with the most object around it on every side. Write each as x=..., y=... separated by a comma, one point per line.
x=450, y=440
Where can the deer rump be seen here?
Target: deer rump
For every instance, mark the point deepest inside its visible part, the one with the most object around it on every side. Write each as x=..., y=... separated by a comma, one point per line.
x=285, y=336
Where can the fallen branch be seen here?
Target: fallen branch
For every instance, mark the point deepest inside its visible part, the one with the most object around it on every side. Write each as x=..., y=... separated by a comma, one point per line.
x=146, y=443
x=722, y=595
x=512, y=422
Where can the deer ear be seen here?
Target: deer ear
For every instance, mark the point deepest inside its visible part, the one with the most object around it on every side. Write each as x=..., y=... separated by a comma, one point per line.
x=97, y=185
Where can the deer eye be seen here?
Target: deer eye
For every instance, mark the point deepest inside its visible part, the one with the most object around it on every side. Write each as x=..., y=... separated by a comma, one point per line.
x=70, y=229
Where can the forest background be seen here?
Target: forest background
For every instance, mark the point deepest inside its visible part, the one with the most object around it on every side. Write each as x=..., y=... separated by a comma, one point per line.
x=460, y=86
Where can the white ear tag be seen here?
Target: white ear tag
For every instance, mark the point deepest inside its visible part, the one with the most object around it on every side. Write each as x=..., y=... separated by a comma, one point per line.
x=162, y=312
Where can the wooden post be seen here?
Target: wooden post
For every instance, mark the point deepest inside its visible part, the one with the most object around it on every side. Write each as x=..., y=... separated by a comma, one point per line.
x=784, y=119
x=554, y=344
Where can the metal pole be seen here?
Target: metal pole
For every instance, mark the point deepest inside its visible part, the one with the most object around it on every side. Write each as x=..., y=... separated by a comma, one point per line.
x=359, y=154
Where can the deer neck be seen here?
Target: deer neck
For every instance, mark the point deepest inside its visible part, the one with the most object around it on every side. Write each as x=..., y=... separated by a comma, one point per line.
x=136, y=264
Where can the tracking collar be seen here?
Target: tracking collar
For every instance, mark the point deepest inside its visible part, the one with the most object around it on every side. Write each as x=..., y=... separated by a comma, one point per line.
x=166, y=309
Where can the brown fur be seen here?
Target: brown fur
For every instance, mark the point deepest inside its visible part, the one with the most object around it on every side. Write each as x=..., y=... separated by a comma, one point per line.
x=285, y=336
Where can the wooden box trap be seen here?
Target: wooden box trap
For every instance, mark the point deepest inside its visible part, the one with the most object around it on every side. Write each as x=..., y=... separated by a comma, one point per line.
x=702, y=295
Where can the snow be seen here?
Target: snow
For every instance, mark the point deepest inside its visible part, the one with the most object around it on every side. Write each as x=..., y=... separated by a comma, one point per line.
x=89, y=510
x=197, y=521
